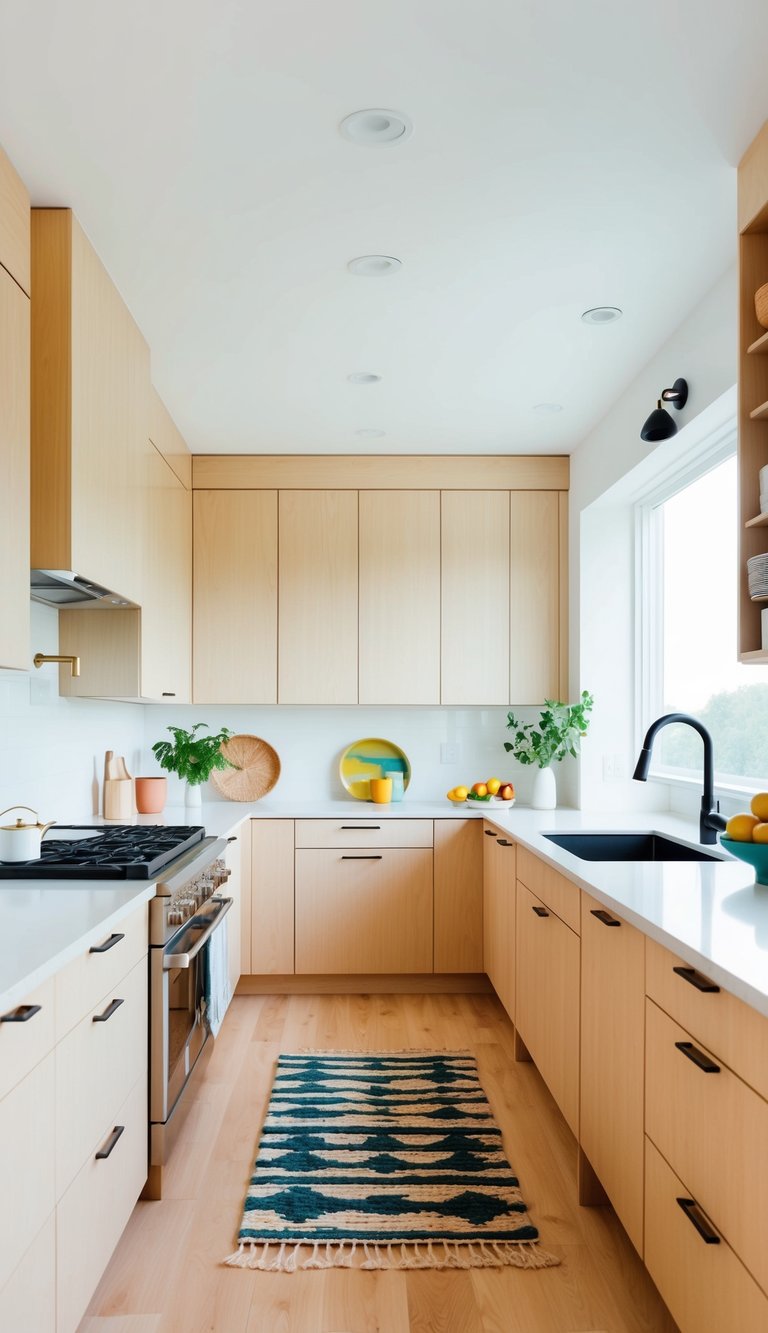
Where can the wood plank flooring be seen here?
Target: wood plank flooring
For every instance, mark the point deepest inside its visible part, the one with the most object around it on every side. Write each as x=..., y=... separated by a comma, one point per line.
x=166, y=1274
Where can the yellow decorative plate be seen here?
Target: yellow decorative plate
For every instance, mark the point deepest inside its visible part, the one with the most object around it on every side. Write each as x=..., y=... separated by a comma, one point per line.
x=369, y=758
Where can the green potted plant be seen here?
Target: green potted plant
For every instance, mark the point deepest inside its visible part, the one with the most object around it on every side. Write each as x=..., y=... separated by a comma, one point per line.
x=558, y=733
x=192, y=757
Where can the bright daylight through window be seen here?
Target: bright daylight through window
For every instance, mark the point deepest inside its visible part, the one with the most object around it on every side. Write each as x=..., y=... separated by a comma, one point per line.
x=694, y=535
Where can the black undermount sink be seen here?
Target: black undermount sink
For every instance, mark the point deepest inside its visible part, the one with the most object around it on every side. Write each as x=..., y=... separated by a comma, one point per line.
x=627, y=847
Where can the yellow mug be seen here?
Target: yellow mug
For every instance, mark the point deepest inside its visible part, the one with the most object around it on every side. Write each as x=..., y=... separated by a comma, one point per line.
x=381, y=790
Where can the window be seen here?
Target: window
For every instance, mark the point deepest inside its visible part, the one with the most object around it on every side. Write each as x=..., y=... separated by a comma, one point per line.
x=688, y=631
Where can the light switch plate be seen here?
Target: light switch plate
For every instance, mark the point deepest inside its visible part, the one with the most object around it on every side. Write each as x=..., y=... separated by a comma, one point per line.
x=450, y=753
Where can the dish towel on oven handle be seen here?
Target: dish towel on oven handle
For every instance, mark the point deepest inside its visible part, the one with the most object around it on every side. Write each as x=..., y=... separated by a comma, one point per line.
x=217, y=991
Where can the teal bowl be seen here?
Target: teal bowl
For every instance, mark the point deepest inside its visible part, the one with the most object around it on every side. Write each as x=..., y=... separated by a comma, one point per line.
x=754, y=853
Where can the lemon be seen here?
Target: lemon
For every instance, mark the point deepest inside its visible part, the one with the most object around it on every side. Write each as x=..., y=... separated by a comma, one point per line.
x=460, y=793
x=739, y=827
x=493, y=785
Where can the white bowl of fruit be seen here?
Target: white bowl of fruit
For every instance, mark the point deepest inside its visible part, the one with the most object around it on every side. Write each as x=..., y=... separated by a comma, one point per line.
x=484, y=795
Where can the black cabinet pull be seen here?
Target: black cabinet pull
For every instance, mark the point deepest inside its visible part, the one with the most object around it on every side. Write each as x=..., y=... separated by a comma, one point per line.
x=22, y=1014
x=695, y=979
x=540, y=911
x=698, y=1220
x=103, y=1153
x=504, y=843
x=361, y=828
x=108, y=1012
x=169, y=694
x=604, y=917
x=697, y=1057
x=489, y=832
x=233, y=838
x=107, y=945
x=362, y=858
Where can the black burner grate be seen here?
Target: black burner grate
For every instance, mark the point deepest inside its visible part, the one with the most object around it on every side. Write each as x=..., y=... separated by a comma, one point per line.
x=122, y=851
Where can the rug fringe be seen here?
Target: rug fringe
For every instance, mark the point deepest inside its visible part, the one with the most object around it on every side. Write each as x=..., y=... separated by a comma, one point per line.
x=286, y=1258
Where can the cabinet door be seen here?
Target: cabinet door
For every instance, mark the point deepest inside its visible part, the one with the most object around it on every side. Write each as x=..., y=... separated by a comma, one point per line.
x=399, y=597
x=475, y=597
x=236, y=862
x=547, y=999
x=272, y=916
x=235, y=597
x=612, y=1059
x=534, y=597
x=458, y=895
x=14, y=224
x=499, y=924
x=166, y=608
x=363, y=911
x=14, y=492
x=318, y=597
x=27, y=1133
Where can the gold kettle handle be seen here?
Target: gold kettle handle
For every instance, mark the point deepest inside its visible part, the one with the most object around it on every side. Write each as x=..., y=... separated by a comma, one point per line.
x=45, y=827
x=19, y=807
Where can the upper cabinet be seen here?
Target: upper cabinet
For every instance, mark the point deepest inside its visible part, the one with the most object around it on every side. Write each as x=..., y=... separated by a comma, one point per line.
x=753, y=387
x=475, y=597
x=14, y=419
x=90, y=412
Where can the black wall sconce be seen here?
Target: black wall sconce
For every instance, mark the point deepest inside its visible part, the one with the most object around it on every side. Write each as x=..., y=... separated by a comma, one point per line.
x=660, y=425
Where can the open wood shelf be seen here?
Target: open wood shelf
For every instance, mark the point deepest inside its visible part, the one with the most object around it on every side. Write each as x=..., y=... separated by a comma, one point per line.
x=759, y=413
x=760, y=655
x=760, y=521
x=759, y=347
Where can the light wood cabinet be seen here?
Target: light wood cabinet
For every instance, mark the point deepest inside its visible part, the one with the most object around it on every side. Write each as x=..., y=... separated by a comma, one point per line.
x=536, y=618
x=367, y=911
x=475, y=597
x=318, y=571
x=28, y=1300
x=27, y=1135
x=14, y=225
x=90, y=412
x=166, y=608
x=237, y=861
x=458, y=889
x=399, y=658
x=349, y=832
x=612, y=1059
x=271, y=947
x=499, y=916
x=547, y=999
x=235, y=597
x=24, y=1044
x=14, y=492
x=554, y=890
x=81, y=984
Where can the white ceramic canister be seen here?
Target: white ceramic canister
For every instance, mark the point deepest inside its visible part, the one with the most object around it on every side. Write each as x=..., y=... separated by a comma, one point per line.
x=21, y=841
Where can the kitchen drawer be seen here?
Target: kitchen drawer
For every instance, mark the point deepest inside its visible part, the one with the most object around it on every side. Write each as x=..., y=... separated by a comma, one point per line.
x=24, y=1044
x=93, y=1213
x=28, y=1300
x=26, y=1163
x=366, y=912
x=724, y=1024
x=97, y=1063
x=86, y=980
x=369, y=832
x=713, y=1130
x=704, y=1285
x=553, y=889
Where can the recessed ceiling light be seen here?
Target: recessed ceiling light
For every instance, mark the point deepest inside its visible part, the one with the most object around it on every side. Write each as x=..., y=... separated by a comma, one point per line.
x=602, y=314
x=369, y=434
x=363, y=377
x=374, y=266
x=547, y=409
x=376, y=126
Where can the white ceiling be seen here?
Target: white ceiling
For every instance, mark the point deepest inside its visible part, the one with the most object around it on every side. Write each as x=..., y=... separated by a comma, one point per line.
x=564, y=155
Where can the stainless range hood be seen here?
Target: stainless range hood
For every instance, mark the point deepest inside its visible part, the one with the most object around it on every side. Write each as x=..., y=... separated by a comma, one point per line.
x=62, y=587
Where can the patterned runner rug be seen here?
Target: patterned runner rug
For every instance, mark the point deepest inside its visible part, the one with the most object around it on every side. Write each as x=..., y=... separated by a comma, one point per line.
x=386, y=1160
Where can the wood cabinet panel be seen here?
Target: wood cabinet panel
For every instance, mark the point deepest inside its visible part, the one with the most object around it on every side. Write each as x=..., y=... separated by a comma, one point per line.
x=272, y=907
x=23, y=1045
x=28, y=1300
x=612, y=1060
x=235, y=597
x=547, y=999
x=238, y=861
x=399, y=597
x=363, y=912
x=318, y=567
x=534, y=597
x=372, y=831
x=166, y=610
x=499, y=916
x=14, y=451
x=27, y=1131
x=14, y=224
x=559, y=893
x=168, y=440
x=475, y=597
x=458, y=888
x=87, y=979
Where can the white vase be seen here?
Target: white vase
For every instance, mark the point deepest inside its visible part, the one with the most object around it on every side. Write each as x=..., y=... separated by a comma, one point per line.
x=193, y=796
x=544, y=794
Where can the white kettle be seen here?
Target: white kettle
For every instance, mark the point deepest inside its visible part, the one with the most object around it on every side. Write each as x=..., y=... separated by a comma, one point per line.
x=20, y=841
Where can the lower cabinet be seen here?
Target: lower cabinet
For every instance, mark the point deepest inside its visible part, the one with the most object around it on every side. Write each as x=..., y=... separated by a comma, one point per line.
x=499, y=925
x=28, y=1300
x=27, y=1163
x=237, y=861
x=270, y=944
x=367, y=910
x=547, y=998
x=458, y=896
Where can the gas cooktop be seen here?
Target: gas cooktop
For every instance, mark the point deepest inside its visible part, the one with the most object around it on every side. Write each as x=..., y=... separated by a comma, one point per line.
x=118, y=851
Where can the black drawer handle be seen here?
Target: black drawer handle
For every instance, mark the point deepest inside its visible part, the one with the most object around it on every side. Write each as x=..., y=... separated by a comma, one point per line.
x=604, y=917
x=233, y=838
x=695, y=979
x=489, y=832
x=22, y=1014
x=169, y=694
x=361, y=828
x=377, y=857
x=107, y=945
x=540, y=911
x=697, y=1219
x=697, y=1057
x=103, y=1153
x=504, y=843
x=108, y=1012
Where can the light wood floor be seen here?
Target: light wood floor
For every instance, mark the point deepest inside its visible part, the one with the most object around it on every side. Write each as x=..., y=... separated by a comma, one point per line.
x=166, y=1275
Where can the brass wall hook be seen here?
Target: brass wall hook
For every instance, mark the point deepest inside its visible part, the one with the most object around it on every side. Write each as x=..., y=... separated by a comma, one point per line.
x=74, y=662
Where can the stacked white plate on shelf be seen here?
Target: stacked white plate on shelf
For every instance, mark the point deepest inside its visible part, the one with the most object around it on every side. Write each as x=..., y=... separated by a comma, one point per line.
x=764, y=490
x=757, y=576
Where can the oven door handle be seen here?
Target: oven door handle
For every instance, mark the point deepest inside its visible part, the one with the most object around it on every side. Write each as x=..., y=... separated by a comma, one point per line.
x=181, y=960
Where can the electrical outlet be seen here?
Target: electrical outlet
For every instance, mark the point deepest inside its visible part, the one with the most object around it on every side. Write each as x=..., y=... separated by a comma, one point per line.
x=450, y=753
x=620, y=767
x=609, y=768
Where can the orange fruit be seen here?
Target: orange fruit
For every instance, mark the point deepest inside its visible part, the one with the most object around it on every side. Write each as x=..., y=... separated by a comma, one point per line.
x=740, y=827
x=480, y=789
x=760, y=833
x=493, y=785
x=507, y=792
x=759, y=805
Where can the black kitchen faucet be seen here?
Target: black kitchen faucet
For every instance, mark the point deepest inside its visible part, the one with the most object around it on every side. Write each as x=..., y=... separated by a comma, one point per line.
x=710, y=819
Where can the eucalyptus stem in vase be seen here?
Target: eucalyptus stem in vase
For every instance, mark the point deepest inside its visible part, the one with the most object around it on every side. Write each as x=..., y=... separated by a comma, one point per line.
x=559, y=731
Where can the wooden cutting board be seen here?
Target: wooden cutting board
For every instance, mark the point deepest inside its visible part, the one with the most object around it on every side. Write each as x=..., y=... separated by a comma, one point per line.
x=257, y=769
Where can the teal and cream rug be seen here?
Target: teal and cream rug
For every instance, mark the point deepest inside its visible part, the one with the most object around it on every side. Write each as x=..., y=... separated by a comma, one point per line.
x=386, y=1160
